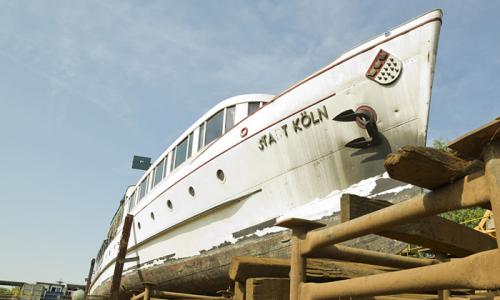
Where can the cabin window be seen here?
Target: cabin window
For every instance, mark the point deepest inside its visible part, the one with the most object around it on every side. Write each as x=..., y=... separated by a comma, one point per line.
x=190, y=145
x=158, y=172
x=214, y=127
x=253, y=107
x=171, y=160
x=229, y=117
x=131, y=202
x=180, y=152
x=201, y=135
x=143, y=187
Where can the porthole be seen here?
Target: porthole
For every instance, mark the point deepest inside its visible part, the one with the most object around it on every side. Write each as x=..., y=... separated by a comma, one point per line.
x=191, y=191
x=139, y=225
x=169, y=205
x=152, y=215
x=220, y=175
x=244, y=132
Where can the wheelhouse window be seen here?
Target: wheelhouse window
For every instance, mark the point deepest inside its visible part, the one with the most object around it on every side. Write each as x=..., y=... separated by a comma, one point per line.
x=158, y=172
x=230, y=111
x=214, y=127
x=181, y=152
x=253, y=107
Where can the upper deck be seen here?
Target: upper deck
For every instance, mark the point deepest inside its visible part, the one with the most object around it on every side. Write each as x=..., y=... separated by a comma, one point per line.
x=205, y=131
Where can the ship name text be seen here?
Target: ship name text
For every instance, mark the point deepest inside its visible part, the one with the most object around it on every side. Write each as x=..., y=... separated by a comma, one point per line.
x=305, y=120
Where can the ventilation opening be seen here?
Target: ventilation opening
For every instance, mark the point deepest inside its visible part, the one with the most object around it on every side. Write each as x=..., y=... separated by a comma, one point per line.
x=191, y=191
x=169, y=205
x=139, y=225
x=152, y=215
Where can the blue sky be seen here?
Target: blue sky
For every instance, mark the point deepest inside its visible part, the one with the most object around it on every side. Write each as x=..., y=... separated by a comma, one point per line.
x=85, y=85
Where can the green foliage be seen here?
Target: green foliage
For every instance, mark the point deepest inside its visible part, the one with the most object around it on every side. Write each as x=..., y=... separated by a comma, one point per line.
x=9, y=293
x=469, y=216
x=441, y=145
x=16, y=291
x=5, y=292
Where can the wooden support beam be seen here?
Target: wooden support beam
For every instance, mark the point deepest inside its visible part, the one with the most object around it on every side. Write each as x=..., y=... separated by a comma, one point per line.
x=492, y=173
x=456, y=274
x=244, y=267
x=239, y=290
x=472, y=143
x=173, y=295
x=88, y=279
x=428, y=167
x=399, y=297
x=268, y=289
x=480, y=296
x=432, y=232
x=351, y=254
x=120, y=259
x=138, y=296
x=320, y=269
x=467, y=192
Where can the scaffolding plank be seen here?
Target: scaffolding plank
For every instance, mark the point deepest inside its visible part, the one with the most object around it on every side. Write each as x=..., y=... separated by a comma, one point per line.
x=471, y=144
x=428, y=167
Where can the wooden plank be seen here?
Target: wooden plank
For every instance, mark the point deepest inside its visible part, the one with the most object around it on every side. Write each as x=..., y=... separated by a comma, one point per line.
x=432, y=232
x=428, y=167
x=399, y=297
x=472, y=143
x=174, y=295
x=122, y=252
x=244, y=267
x=351, y=254
x=319, y=269
x=267, y=289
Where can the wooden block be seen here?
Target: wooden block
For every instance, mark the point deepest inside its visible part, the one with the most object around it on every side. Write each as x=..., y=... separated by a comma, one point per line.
x=428, y=167
x=244, y=267
x=294, y=223
x=267, y=289
x=354, y=206
x=432, y=232
x=471, y=144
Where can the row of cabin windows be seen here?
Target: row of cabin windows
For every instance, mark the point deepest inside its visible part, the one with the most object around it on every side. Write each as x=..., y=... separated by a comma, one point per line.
x=208, y=131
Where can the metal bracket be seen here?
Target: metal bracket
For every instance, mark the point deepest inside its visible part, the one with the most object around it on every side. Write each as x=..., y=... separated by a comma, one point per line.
x=369, y=123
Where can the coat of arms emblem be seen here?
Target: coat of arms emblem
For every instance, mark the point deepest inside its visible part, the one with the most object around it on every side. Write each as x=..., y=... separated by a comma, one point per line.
x=385, y=68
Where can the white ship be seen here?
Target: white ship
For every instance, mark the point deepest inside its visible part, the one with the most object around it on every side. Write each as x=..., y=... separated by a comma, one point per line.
x=254, y=158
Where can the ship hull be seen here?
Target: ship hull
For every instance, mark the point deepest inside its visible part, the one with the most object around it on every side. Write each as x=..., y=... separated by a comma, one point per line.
x=282, y=161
